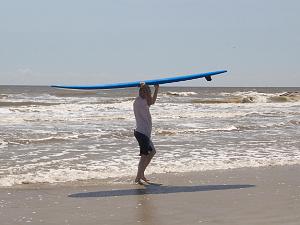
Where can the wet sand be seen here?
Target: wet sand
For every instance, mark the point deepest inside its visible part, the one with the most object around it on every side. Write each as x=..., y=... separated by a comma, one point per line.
x=239, y=196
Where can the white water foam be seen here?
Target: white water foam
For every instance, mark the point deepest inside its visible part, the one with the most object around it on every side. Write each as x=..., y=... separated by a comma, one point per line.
x=257, y=97
x=181, y=94
x=3, y=144
x=90, y=137
x=192, y=131
x=196, y=160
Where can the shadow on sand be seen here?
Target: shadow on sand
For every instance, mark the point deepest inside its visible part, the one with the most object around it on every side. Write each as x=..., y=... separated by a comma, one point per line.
x=154, y=189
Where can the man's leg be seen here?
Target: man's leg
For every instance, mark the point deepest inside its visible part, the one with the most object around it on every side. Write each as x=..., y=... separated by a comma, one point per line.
x=141, y=168
x=148, y=160
x=144, y=162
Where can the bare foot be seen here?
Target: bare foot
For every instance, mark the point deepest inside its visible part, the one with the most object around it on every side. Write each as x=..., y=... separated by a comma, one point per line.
x=138, y=181
x=145, y=179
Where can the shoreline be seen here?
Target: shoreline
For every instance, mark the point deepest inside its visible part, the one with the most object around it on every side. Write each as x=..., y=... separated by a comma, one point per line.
x=268, y=195
x=129, y=180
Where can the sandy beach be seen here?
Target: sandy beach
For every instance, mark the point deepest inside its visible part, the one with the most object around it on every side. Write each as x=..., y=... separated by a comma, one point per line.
x=239, y=196
x=72, y=100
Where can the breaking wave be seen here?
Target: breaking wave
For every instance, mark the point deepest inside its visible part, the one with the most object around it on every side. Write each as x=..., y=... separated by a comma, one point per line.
x=252, y=97
x=181, y=94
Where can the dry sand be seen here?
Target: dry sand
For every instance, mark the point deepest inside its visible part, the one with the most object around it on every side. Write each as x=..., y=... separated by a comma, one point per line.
x=240, y=196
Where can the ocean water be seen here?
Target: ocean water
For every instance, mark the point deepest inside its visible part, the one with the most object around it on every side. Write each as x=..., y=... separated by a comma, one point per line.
x=56, y=136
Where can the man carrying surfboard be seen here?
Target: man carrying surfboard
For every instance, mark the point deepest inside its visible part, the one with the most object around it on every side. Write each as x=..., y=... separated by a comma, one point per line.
x=142, y=133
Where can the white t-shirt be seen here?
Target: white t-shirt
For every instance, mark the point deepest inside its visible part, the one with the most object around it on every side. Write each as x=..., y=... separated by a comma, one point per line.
x=142, y=116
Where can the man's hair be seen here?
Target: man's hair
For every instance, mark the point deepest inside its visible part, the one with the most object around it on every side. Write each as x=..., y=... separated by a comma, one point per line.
x=143, y=88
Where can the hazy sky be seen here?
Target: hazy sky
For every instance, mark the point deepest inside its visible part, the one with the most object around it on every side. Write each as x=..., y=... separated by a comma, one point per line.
x=98, y=41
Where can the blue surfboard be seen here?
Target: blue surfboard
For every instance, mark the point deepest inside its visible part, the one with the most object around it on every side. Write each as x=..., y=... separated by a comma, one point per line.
x=207, y=76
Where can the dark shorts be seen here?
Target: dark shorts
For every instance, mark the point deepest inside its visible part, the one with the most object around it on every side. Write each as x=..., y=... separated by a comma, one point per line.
x=146, y=145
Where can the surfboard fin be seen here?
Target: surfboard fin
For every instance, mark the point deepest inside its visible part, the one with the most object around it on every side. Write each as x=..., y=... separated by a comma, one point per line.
x=208, y=78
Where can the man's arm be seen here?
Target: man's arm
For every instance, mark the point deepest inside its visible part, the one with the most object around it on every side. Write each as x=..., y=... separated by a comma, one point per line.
x=152, y=99
x=155, y=94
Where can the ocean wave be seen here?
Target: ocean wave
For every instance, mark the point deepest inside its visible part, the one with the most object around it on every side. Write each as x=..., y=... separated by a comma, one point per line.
x=290, y=123
x=116, y=134
x=294, y=122
x=113, y=101
x=257, y=97
x=181, y=94
x=72, y=93
x=284, y=99
x=252, y=97
x=2, y=96
x=25, y=103
x=3, y=144
x=217, y=101
x=45, y=140
x=51, y=176
x=171, y=132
